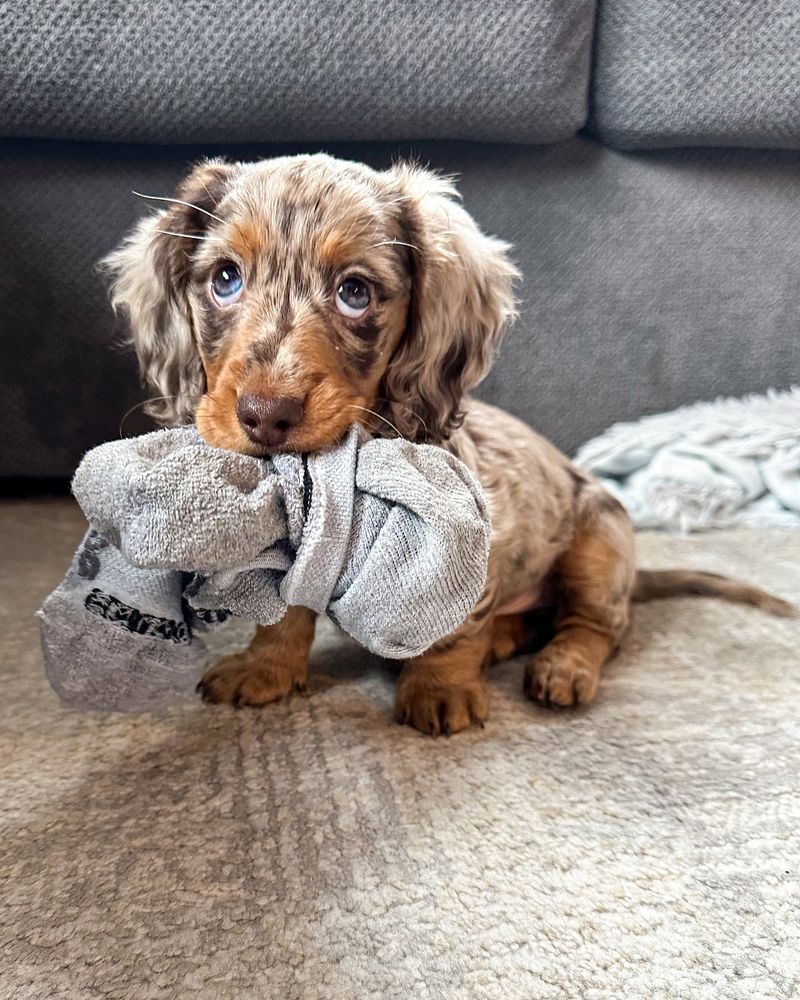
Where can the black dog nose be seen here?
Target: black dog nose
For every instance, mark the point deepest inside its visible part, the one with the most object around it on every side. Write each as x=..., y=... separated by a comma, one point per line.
x=268, y=420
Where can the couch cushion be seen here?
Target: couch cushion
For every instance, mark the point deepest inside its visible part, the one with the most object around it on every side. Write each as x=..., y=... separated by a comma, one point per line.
x=261, y=71
x=704, y=73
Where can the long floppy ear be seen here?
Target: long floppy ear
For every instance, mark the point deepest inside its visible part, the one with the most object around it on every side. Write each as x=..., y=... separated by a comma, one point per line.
x=462, y=300
x=150, y=273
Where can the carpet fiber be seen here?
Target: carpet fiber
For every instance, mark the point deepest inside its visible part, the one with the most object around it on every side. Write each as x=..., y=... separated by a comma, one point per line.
x=644, y=847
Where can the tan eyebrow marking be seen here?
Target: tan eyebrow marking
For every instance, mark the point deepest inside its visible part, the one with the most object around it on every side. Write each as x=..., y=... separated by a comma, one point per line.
x=247, y=235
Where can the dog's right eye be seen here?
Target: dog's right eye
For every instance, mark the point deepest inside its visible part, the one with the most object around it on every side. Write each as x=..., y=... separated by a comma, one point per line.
x=227, y=284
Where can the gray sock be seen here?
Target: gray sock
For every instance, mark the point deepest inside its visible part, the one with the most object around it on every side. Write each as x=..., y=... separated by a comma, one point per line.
x=117, y=637
x=389, y=538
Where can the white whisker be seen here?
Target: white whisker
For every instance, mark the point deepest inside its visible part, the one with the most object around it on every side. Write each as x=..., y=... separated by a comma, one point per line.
x=374, y=414
x=178, y=201
x=183, y=236
x=136, y=406
x=413, y=413
x=394, y=243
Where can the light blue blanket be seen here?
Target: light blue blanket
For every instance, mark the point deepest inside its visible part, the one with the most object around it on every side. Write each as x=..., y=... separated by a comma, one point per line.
x=732, y=462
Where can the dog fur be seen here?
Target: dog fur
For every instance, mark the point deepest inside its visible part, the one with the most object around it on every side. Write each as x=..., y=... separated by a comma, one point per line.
x=441, y=299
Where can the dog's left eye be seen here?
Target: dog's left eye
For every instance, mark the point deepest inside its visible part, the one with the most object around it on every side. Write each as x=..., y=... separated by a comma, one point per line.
x=353, y=297
x=227, y=284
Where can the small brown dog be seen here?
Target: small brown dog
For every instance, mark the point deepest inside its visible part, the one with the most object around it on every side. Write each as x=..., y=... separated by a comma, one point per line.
x=275, y=303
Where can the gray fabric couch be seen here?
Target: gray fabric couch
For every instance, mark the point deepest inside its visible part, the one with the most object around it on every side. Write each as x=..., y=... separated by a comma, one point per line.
x=655, y=272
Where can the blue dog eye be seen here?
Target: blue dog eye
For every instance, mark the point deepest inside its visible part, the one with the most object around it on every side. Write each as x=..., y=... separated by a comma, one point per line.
x=227, y=283
x=353, y=298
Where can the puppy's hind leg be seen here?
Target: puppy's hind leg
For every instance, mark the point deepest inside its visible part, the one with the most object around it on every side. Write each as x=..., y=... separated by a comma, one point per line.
x=516, y=634
x=596, y=577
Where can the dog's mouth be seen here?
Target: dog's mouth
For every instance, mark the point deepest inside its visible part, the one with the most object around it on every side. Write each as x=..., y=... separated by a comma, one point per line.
x=259, y=425
x=300, y=442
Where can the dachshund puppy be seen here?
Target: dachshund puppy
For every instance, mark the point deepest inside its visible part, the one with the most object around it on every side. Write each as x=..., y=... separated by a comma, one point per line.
x=275, y=303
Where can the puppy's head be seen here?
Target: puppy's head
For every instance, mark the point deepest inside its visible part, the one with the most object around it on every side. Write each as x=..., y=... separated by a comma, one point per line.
x=278, y=302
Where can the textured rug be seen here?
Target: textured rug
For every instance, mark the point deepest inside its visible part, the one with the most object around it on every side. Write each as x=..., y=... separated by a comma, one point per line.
x=645, y=847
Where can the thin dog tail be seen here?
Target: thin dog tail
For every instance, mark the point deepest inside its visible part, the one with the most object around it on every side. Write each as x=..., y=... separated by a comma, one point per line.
x=651, y=585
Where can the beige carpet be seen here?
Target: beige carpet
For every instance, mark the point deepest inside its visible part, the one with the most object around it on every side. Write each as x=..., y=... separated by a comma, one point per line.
x=646, y=847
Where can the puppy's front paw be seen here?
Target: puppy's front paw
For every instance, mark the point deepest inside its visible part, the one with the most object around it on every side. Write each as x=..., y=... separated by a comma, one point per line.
x=434, y=710
x=245, y=679
x=560, y=676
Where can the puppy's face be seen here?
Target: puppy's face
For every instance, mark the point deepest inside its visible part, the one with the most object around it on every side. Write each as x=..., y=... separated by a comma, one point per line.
x=299, y=298
x=278, y=302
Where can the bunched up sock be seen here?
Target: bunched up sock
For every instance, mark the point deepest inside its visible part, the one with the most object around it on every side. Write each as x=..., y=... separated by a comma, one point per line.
x=389, y=538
